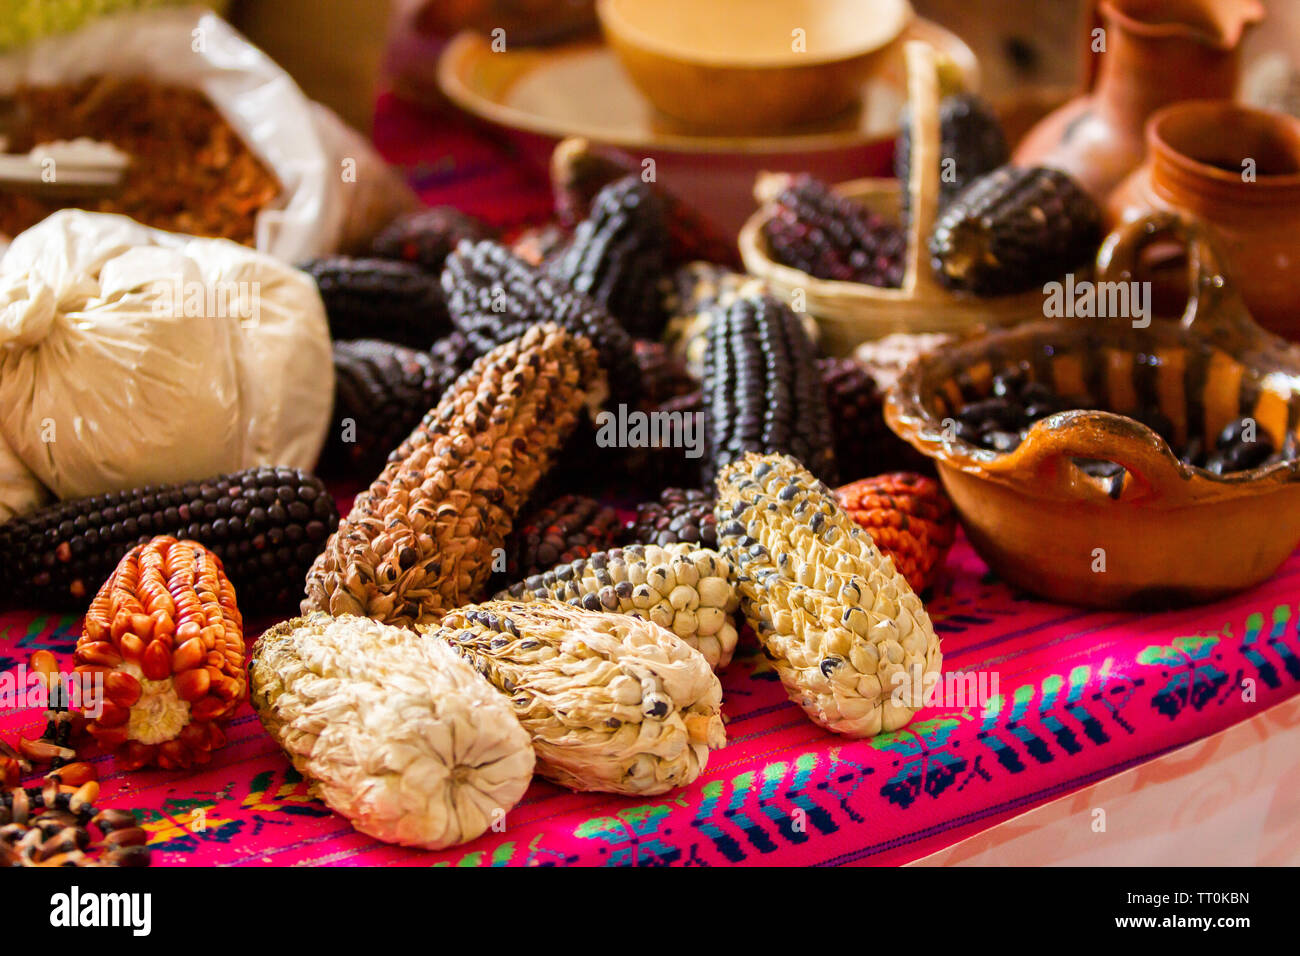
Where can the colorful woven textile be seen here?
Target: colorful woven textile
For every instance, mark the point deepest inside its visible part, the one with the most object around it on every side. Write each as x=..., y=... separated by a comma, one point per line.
x=1079, y=695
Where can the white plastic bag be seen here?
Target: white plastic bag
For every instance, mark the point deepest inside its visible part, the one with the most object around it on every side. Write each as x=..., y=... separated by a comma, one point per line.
x=192, y=47
x=130, y=356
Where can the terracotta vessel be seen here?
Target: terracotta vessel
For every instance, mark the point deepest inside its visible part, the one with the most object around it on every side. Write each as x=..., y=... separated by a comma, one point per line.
x=1170, y=532
x=1197, y=155
x=1157, y=52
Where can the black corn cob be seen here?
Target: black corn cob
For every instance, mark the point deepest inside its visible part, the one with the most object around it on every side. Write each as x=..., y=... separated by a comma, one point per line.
x=381, y=391
x=969, y=135
x=830, y=237
x=380, y=299
x=566, y=529
x=619, y=253
x=539, y=243
x=763, y=391
x=1014, y=229
x=664, y=375
x=581, y=169
x=265, y=524
x=428, y=236
x=864, y=445
x=493, y=297
x=680, y=514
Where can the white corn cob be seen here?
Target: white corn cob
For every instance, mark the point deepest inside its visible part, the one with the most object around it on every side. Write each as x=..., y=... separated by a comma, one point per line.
x=398, y=734
x=847, y=635
x=613, y=703
x=681, y=587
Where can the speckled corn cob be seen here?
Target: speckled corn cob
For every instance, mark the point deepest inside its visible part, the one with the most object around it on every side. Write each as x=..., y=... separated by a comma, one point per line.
x=613, y=703
x=762, y=389
x=847, y=635
x=421, y=540
x=683, y=588
x=493, y=296
x=165, y=632
x=395, y=732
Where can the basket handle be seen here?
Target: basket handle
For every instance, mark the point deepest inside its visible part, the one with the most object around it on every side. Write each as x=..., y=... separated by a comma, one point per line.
x=1048, y=450
x=922, y=185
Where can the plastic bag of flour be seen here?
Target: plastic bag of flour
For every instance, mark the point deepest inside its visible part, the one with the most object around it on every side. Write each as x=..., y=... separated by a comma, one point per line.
x=130, y=356
x=311, y=156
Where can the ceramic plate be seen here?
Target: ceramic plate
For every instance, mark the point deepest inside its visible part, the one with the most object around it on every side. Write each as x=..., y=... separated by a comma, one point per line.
x=542, y=95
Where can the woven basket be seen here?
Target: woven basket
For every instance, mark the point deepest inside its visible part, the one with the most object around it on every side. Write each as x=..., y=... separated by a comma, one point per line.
x=850, y=313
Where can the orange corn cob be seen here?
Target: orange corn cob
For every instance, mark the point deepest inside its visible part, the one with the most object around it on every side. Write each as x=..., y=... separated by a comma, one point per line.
x=166, y=634
x=910, y=519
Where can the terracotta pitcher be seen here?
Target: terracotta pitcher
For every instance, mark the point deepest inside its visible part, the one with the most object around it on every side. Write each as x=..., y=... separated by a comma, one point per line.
x=1156, y=52
x=1238, y=170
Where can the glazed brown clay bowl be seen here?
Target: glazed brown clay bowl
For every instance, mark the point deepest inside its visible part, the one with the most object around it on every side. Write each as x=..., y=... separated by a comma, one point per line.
x=1165, y=532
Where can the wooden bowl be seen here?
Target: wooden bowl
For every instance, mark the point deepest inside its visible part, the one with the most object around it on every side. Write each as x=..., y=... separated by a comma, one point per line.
x=850, y=313
x=1168, y=533
x=752, y=65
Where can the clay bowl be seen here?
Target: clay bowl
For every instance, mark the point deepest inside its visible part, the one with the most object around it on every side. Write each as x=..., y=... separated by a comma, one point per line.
x=740, y=66
x=1166, y=533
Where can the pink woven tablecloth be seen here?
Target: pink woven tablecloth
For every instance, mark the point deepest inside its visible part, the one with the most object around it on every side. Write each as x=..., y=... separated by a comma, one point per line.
x=1079, y=695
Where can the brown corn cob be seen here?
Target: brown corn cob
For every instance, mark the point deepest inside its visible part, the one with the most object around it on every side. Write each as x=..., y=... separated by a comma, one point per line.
x=422, y=539
x=165, y=632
